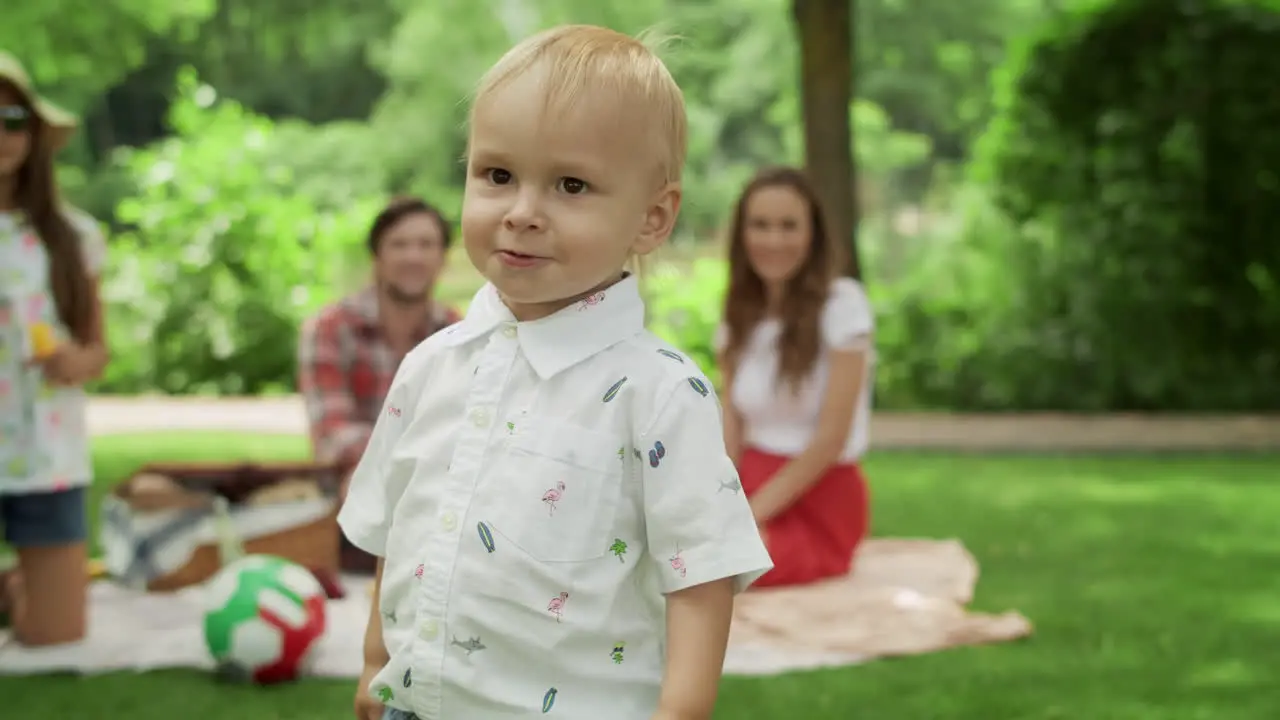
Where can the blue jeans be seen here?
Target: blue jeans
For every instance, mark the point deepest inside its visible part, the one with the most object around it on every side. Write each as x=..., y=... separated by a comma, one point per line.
x=393, y=714
x=44, y=519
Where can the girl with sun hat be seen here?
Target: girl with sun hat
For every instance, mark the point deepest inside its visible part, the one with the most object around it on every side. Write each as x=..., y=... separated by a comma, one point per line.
x=52, y=342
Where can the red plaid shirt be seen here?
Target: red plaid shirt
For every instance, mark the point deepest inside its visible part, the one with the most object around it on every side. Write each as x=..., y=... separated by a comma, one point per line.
x=345, y=368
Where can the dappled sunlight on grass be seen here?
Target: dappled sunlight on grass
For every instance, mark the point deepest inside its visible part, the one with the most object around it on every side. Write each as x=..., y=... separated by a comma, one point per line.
x=117, y=452
x=1260, y=606
x=1227, y=674
x=1132, y=569
x=1098, y=489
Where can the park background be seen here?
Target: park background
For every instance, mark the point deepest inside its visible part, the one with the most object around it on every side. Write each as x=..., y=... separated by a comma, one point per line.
x=1083, y=224
x=1062, y=205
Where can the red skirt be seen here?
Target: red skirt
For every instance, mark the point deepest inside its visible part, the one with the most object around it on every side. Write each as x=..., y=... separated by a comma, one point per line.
x=816, y=537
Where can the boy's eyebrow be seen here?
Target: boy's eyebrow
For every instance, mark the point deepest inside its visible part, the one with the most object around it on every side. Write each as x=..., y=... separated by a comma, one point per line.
x=488, y=157
x=576, y=168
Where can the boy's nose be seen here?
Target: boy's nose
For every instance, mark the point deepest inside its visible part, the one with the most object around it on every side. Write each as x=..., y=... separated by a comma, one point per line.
x=525, y=214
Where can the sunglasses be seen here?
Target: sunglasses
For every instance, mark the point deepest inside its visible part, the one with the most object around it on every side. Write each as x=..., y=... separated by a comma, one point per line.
x=14, y=118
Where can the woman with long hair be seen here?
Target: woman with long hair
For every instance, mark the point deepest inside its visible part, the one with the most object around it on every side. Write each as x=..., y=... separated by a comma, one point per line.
x=51, y=343
x=796, y=359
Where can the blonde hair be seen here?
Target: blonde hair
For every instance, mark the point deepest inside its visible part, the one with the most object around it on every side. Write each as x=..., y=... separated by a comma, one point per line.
x=581, y=60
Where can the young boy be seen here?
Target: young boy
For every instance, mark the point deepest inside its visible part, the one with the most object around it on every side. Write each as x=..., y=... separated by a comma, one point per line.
x=561, y=530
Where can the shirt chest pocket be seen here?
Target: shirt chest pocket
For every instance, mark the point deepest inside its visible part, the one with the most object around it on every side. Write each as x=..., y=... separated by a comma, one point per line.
x=556, y=490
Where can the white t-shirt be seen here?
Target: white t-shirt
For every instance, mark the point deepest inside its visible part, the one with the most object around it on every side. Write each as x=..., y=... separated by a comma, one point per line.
x=776, y=419
x=535, y=489
x=44, y=442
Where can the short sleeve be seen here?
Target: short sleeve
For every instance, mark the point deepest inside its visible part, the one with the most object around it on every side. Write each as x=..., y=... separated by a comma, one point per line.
x=847, y=318
x=372, y=494
x=720, y=338
x=93, y=244
x=699, y=525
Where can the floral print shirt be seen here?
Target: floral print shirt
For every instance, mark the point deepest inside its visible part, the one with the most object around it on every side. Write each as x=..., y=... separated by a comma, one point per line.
x=44, y=442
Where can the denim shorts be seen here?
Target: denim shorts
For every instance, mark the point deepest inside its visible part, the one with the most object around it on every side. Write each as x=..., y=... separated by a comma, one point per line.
x=394, y=714
x=44, y=518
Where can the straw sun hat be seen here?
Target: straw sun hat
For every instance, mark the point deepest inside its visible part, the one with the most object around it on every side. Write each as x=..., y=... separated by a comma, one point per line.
x=59, y=124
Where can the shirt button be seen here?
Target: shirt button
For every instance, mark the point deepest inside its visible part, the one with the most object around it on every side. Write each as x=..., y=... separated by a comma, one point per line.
x=448, y=521
x=509, y=330
x=430, y=630
x=480, y=417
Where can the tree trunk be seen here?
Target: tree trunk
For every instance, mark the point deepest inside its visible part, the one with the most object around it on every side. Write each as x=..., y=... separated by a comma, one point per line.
x=825, y=29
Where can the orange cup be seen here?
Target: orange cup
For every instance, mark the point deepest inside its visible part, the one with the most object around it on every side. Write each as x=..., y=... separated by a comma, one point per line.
x=43, y=340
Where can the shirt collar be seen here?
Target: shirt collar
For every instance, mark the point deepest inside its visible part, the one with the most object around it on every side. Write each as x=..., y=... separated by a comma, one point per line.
x=562, y=339
x=364, y=305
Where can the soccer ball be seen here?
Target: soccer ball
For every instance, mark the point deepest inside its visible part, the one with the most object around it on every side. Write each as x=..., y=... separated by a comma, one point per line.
x=263, y=616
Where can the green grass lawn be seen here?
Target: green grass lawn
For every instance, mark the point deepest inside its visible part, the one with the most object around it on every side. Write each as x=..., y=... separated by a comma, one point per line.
x=1152, y=582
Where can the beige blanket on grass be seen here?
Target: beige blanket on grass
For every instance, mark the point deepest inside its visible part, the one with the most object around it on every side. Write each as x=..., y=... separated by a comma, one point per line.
x=904, y=597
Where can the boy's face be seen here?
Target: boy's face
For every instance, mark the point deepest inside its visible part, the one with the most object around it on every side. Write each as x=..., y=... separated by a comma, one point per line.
x=556, y=201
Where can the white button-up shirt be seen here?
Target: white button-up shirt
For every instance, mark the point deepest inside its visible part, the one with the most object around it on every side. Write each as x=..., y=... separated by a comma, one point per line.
x=535, y=489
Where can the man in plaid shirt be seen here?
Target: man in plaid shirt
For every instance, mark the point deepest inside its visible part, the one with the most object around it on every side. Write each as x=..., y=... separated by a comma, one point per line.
x=349, y=352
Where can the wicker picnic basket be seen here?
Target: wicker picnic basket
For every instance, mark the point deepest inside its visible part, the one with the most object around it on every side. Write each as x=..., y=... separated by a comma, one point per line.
x=193, y=486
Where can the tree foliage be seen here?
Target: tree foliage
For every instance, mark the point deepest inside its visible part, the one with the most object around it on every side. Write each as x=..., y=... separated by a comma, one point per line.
x=1110, y=249
x=1136, y=152
x=229, y=248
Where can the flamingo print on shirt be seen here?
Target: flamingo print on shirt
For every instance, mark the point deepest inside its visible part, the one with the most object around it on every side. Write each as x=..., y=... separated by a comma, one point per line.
x=590, y=300
x=556, y=606
x=677, y=563
x=552, y=496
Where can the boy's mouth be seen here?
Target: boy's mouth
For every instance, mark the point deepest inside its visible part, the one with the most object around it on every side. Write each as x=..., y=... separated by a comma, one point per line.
x=519, y=259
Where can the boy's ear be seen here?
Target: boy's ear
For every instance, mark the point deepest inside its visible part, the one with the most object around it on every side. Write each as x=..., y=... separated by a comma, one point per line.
x=659, y=219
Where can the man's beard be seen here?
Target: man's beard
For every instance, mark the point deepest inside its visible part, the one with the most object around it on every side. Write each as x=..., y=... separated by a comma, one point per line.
x=406, y=299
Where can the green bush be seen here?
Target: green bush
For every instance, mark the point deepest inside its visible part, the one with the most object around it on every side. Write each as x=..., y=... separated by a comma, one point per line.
x=685, y=304
x=940, y=319
x=223, y=259
x=1136, y=154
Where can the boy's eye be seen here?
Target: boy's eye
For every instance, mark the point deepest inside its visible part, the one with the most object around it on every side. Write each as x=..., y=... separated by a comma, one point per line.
x=498, y=176
x=573, y=186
